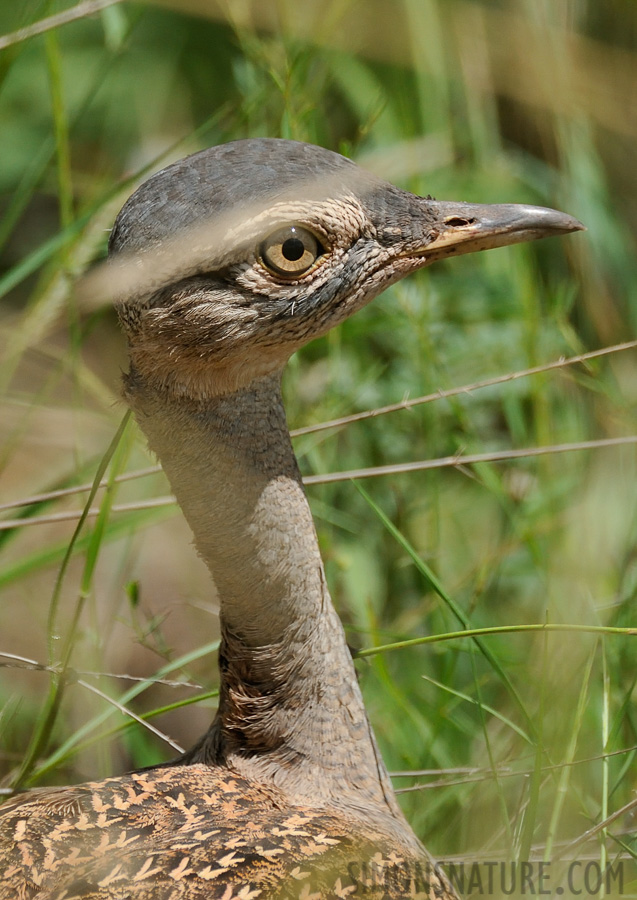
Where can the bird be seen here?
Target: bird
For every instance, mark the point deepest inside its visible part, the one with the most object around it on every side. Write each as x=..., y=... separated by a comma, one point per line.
x=222, y=265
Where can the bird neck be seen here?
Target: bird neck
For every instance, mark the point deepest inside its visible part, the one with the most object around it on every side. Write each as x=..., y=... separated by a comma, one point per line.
x=290, y=708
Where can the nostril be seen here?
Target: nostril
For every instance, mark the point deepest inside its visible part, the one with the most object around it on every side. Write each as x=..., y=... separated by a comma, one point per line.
x=458, y=221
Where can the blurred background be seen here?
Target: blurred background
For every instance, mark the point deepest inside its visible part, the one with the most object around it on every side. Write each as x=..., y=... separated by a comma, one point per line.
x=513, y=746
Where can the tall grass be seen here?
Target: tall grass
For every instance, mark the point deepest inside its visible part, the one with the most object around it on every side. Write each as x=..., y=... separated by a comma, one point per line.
x=513, y=745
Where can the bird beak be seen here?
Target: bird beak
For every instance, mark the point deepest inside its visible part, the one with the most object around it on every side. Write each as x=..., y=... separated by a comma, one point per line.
x=467, y=227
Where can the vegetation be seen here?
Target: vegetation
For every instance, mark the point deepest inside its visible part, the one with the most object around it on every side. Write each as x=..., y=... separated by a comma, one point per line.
x=513, y=745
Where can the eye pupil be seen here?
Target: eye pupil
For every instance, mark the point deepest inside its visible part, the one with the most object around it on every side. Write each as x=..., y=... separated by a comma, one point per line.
x=293, y=249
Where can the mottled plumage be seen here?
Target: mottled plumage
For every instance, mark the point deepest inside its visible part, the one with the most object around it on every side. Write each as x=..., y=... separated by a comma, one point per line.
x=224, y=264
x=197, y=831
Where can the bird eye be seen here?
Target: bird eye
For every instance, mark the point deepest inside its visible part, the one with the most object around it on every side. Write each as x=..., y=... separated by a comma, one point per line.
x=291, y=250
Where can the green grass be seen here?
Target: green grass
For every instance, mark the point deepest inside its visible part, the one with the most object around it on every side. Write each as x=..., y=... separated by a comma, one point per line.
x=526, y=735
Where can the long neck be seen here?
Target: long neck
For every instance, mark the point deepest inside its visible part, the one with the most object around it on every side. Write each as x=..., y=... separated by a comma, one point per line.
x=290, y=707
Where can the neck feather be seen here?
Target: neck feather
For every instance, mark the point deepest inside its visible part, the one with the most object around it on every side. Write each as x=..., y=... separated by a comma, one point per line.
x=290, y=708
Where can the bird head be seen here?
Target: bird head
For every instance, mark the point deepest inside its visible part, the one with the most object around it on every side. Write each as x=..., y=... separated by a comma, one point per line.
x=231, y=259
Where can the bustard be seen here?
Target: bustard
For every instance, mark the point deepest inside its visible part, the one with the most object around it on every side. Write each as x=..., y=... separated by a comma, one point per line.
x=231, y=260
